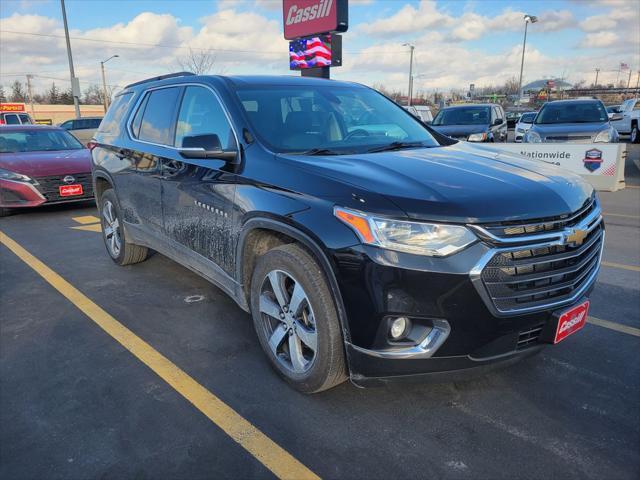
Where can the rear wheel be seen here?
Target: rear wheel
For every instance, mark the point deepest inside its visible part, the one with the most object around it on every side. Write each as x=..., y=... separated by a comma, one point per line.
x=120, y=250
x=296, y=320
x=634, y=137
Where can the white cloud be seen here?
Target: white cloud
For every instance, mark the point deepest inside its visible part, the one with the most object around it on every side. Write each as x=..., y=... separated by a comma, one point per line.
x=553, y=20
x=599, y=40
x=409, y=20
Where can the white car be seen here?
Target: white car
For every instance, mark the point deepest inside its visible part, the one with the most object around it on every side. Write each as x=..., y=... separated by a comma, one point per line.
x=628, y=124
x=422, y=112
x=524, y=123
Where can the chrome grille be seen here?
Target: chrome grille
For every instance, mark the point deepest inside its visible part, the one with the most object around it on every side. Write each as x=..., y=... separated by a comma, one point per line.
x=511, y=229
x=529, y=271
x=568, y=139
x=49, y=187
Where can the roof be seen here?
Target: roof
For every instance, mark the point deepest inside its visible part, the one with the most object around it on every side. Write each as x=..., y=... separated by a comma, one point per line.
x=464, y=105
x=574, y=100
x=21, y=128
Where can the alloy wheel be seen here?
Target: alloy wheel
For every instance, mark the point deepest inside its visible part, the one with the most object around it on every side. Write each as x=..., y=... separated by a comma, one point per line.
x=288, y=321
x=111, y=229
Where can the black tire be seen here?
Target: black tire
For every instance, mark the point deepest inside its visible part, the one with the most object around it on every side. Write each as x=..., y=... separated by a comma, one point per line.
x=327, y=367
x=634, y=136
x=127, y=253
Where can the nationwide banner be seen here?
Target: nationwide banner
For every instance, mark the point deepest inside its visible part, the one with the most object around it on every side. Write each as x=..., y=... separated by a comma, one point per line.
x=602, y=164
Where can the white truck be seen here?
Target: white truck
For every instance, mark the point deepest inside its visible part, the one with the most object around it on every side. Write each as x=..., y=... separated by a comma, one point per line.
x=628, y=124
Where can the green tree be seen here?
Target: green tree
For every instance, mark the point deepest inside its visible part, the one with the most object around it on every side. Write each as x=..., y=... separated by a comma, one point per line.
x=52, y=96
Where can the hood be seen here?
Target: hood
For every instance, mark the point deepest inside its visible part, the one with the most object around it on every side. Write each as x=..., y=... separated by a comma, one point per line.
x=459, y=130
x=460, y=183
x=44, y=164
x=571, y=128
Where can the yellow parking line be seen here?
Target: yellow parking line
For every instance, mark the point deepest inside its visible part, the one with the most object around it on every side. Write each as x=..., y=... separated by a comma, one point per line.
x=89, y=228
x=618, y=327
x=86, y=219
x=622, y=266
x=265, y=450
x=635, y=217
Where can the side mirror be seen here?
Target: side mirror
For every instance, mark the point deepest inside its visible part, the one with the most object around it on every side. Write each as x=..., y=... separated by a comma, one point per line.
x=206, y=146
x=616, y=116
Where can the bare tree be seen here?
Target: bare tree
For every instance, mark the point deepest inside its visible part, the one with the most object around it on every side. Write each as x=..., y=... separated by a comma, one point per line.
x=18, y=93
x=3, y=96
x=199, y=62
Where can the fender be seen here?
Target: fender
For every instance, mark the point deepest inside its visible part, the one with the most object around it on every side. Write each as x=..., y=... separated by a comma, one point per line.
x=311, y=244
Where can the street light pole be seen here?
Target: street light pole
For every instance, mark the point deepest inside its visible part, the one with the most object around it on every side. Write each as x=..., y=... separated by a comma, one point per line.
x=410, y=90
x=76, y=104
x=29, y=77
x=104, y=83
x=527, y=19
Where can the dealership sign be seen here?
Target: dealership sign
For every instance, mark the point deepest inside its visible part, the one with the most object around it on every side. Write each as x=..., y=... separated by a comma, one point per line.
x=602, y=164
x=310, y=17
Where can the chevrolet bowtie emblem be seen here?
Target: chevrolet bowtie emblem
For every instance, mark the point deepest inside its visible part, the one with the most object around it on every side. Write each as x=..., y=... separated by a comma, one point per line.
x=575, y=237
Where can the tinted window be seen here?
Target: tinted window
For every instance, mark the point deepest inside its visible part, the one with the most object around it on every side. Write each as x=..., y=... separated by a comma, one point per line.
x=67, y=125
x=574, y=112
x=463, y=116
x=25, y=119
x=37, y=141
x=12, y=119
x=158, y=121
x=527, y=117
x=94, y=122
x=201, y=114
x=343, y=119
x=112, y=122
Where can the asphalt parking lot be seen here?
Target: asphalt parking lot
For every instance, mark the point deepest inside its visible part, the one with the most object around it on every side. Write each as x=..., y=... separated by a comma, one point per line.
x=148, y=371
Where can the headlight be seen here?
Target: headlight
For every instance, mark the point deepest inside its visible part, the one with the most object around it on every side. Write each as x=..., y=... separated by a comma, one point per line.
x=603, y=137
x=16, y=177
x=532, y=137
x=431, y=239
x=519, y=130
x=477, y=137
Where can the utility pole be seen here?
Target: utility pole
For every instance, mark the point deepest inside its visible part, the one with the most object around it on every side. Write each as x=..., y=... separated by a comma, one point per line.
x=638, y=82
x=74, y=81
x=597, y=72
x=527, y=19
x=629, y=80
x=29, y=77
x=105, y=94
x=410, y=91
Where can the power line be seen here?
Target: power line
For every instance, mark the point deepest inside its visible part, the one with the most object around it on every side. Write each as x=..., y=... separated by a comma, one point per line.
x=162, y=45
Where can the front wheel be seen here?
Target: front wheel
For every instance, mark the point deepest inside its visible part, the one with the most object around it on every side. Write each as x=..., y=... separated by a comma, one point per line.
x=634, y=137
x=296, y=319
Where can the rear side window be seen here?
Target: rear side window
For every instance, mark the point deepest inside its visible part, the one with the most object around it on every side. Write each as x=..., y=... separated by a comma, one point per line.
x=158, y=118
x=94, y=122
x=25, y=119
x=202, y=114
x=112, y=123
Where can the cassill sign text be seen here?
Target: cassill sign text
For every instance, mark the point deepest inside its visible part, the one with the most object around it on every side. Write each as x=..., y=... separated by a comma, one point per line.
x=310, y=17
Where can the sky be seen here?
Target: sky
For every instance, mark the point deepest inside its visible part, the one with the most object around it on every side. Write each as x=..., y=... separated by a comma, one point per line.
x=457, y=42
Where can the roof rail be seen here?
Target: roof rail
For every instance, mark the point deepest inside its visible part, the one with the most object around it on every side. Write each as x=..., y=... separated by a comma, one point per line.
x=161, y=77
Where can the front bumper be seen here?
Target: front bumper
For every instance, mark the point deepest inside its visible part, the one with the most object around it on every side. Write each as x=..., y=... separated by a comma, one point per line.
x=19, y=194
x=378, y=284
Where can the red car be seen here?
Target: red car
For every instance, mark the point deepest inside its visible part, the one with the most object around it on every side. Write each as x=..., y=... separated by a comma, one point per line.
x=42, y=165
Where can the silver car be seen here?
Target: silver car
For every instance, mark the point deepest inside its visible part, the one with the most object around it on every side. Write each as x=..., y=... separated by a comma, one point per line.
x=572, y=121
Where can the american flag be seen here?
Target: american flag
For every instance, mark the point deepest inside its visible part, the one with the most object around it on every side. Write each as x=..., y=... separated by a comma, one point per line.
x=310, y=52
x=624, y=66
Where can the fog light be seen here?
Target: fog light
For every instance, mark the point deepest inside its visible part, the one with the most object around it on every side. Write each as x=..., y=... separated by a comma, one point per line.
x=399, y=327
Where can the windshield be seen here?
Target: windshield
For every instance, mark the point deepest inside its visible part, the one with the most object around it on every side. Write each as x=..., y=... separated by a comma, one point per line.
x=527, y=117
x=463, y=116
x=578, y=112
x=37, y=141
x=335, y=119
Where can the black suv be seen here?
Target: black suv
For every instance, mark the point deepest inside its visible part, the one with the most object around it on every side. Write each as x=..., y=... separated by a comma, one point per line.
x=363, y=243
x=473, y=123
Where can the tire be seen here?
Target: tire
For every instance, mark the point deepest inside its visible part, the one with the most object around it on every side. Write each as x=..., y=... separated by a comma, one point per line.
x=119, y=249
x=297, y=275
x=634, y=136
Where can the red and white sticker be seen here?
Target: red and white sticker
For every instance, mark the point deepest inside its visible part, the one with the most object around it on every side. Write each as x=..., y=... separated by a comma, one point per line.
x=571, y=321
x=70, y=190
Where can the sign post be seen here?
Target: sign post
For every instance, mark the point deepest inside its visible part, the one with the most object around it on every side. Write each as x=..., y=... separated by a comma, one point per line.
x=312, y=27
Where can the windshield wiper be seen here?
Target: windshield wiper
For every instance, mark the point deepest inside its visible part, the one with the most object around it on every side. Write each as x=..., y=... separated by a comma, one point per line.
x=319, y=151
x=395, y=146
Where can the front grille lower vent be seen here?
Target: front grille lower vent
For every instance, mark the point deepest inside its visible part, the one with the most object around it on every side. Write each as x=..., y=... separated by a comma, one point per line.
x=529, y=337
